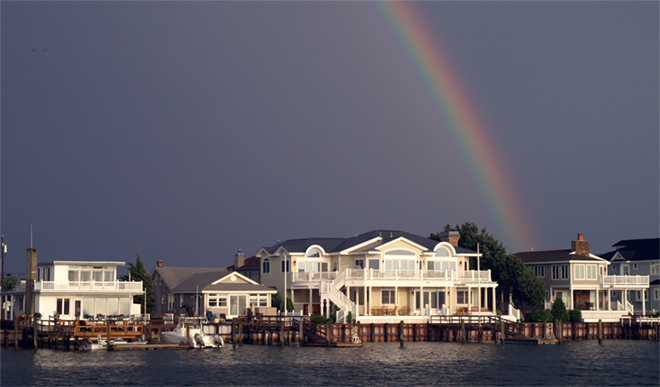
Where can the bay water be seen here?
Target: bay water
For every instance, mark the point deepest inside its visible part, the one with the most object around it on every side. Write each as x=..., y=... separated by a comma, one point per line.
x=578, y=363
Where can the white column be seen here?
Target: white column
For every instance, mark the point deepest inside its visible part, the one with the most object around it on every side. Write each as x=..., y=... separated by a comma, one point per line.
x=643, y=302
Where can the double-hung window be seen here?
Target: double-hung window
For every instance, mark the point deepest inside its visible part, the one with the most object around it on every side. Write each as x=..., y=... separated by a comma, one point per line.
x=579, y=272
x=387, y=297
x=591, y=272
x=539, y=270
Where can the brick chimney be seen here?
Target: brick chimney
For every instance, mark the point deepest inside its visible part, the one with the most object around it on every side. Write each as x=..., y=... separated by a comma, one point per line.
x=580, y=246
x=450, y=236
x=30, y=279
x=239, y=259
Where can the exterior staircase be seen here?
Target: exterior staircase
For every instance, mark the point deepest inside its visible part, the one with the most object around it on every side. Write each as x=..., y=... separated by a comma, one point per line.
x=330, y=290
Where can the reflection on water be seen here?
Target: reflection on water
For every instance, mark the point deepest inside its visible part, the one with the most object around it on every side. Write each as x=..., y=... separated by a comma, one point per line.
x=617, y=362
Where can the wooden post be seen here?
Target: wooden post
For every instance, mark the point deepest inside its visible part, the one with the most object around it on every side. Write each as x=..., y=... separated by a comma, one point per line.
x=560, y=331
x=107, y=324
x=239, y=332
x=302, y=329
x=233, y=335
x=600, y=332
x=35, y=333
x=462, y=331
x=502, y=335
x=328, y=333
x=401, y=334
x=15, y=332
x=282, y=333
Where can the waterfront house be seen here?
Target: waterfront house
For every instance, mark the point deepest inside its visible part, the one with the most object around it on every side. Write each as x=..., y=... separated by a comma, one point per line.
x=194, y=291
x=637, y=257
x=378, y=275
x=74, y=289
x=581, y=280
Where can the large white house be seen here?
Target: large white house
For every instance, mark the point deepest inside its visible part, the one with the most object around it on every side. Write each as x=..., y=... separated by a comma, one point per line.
x=73, y=289
x=377, y=274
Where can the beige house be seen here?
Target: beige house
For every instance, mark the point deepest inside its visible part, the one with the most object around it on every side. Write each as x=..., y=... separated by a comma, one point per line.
x=580, y=279
x=378, y=275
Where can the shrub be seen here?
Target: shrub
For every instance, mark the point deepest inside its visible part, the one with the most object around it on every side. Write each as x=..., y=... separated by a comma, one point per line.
x=575, y=315
x=349, y=318
x=319, y=319
x=542, y=315
x=559, y=310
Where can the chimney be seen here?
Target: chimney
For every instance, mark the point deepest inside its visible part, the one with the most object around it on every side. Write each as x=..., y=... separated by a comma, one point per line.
x=450, y=236
x=30, y=279
x=580, y=246
x=239, y=259
x=159, y=263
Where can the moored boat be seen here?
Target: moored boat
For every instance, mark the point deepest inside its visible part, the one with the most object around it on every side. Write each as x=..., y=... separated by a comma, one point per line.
x=189, y=330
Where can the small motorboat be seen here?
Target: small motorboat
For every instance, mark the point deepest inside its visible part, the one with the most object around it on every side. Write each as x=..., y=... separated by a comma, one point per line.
x=189, y=329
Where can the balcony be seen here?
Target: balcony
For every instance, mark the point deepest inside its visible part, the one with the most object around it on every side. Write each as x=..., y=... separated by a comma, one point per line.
x=622, y=281
x=92, y=286
x=371, y=275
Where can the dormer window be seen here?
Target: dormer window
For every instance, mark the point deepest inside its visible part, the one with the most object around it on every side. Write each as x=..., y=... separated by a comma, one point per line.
x=313, y=253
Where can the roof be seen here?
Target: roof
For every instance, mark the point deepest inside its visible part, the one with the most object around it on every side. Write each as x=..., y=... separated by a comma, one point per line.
x=335, y=245
x=250, y=263
x=636, y=249
x=553, y=256
x=199, y=281
x=172, y=277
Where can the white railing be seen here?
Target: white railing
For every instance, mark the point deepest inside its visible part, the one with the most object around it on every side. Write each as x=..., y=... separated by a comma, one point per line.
x=312, y=276
x=135, y=286
x=622, y=280
x=447, y=275
x=514, y=312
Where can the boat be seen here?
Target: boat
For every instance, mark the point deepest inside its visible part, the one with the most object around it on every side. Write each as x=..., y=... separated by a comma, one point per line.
x=102, y=345
x=189, y=330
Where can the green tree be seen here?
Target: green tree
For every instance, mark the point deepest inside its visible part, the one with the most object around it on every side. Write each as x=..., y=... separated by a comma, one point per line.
x=138, y=272
x=9, y=283
x=515, y=281
x=559, y=310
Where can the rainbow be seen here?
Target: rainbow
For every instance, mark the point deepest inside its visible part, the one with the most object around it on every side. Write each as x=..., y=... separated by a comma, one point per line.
x=467, y=128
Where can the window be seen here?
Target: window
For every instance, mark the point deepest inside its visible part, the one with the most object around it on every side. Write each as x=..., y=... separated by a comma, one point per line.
x=591, y=272
x=613, y=293
x=634, y=266
x=579, y=272
x=313, y=253
x=560, y=272
x=539, y=270
x=170, y=301
x=461, y=296
x=359, y=263
x=312, y=267
x=656, y=294
x=655, y=268
x=374, y=264
x=387, y=297
x=63, y=305
x=265, y=266
x=285, y=265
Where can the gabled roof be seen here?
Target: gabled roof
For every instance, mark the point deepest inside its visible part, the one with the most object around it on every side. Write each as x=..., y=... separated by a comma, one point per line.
x=636, y=249
x=172, y=277
x=199, y=281
x=554, y=256
x=336, y=245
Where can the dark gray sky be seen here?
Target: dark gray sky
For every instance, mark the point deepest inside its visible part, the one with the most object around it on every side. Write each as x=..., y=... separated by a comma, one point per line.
x=185, y=131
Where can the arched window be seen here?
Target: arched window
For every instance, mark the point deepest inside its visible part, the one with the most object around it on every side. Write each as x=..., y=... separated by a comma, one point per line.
x=442, y=252
x=265, y=266
x=313, y=253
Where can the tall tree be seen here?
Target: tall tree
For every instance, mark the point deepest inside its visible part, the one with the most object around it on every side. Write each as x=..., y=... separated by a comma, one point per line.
x=138, y=272
x=514, y=280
